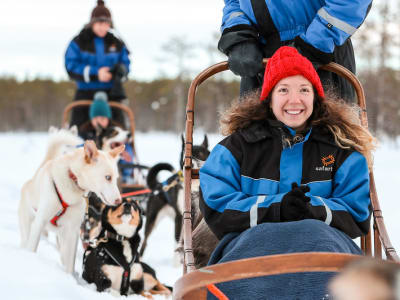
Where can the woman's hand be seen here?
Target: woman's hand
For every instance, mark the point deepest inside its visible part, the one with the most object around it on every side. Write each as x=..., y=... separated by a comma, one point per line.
x=104, y=74
x=295, y=205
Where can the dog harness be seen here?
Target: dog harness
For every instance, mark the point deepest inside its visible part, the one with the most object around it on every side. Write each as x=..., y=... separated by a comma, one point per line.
x=62, y=210
x=105, y=249
x=169, y=183
x=63, y=203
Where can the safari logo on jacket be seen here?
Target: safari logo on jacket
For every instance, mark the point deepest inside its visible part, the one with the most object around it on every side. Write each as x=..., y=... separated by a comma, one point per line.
x=327, y=162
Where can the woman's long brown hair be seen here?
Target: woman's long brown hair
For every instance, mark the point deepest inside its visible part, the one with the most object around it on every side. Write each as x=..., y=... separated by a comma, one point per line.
x=340, y=118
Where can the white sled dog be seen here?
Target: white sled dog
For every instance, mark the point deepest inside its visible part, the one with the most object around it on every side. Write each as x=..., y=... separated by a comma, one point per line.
x=61, y=141
x=54, y=198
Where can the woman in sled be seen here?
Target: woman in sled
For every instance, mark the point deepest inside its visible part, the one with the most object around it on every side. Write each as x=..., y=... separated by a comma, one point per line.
x=291, y=176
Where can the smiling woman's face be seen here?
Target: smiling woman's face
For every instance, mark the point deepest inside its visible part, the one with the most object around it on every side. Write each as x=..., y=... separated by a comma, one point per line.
x=292, y=101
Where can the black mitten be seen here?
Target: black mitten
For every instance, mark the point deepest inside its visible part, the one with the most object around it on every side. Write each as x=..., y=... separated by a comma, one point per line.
x=245, y=59
x=295, y=205
x=316, y=56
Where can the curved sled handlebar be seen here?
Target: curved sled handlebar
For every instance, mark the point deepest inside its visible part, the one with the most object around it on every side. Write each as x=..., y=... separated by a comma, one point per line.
x=381, y=236
x=193, y=285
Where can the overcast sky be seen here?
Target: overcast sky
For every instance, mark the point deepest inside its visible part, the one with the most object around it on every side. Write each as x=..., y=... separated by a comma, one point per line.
x=34, y=34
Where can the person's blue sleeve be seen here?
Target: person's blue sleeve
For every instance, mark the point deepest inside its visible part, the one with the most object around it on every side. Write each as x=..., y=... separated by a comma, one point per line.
x=224, y=206
x=349, y=206
x=335, y=22
x=232, y=15
x=76, y=69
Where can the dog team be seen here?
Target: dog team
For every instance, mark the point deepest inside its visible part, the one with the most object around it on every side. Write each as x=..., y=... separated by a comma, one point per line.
x=75, y=193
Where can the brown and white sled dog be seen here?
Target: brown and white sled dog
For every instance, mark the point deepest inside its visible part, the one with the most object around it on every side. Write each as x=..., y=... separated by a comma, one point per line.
x=114, y=264
x=54, y=198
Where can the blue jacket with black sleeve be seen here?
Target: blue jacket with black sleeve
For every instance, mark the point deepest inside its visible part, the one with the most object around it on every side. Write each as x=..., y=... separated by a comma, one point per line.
x=87, y=53
x=247, y=174
x=318, y=25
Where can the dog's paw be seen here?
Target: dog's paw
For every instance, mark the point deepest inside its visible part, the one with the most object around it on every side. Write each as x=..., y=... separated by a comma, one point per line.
x=113, y=292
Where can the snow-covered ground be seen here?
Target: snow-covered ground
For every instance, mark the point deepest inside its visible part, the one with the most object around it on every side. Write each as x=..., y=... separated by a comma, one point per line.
x=39, y=276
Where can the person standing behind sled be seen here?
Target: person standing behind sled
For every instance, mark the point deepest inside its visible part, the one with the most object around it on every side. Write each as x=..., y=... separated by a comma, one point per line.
x=97, y=61
x=291, y=176
x=319, y=29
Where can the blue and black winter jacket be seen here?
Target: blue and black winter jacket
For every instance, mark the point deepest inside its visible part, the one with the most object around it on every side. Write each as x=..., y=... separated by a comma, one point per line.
x=247, y=174
x=87, y=53
x=322, y=24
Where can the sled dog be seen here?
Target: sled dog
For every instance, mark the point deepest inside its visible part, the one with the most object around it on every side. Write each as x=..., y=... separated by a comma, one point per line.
x=114, y=264
x=163, y=200
x=204, y=241
x=171, y=202
x=54, y=198
x=61, y=141
x=114, y=136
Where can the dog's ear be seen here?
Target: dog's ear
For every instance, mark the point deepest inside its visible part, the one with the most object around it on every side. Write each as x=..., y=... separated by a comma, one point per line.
x=205, y=142
x=117, y=151
x=91, y=152
x=74, y=130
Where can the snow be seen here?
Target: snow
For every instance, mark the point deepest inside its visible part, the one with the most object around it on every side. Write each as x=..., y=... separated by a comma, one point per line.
x=39, y=276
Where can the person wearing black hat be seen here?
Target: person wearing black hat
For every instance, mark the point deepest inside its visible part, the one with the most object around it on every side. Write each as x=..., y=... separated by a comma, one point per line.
x=97, y=60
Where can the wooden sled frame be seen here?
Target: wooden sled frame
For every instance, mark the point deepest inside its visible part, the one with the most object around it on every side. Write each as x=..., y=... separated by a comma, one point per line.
x=192, y=285
x=113, y=104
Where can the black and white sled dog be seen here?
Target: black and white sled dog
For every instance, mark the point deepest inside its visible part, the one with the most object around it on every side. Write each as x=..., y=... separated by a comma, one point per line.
x=54, y=198
x=111, y=137
x=114, y=264
x=167, y=198
x=114, y=136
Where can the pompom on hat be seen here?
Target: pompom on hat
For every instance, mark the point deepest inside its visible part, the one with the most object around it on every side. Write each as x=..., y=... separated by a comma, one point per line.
x=286, y=62
x=100, y=106
x=100, y=13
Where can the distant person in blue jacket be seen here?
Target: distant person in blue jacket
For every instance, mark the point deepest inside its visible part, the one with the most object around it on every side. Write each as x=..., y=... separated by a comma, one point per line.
x=319, y=29
x=97, y=60
x=291, y=176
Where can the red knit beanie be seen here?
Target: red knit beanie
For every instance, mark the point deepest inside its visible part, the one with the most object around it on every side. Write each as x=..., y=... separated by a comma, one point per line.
x=100, y=13
x=286, y=62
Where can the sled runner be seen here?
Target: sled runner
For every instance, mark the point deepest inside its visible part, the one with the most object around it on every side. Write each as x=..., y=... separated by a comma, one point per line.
x=195, y=283
x=137, y=169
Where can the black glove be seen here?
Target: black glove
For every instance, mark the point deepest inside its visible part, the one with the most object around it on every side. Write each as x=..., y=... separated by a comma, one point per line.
x=295, y=205
x=119, y=73
x=245, y=59
x=316, y=56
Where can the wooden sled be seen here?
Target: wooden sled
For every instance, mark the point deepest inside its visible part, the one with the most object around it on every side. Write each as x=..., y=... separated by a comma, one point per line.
x=193, y=284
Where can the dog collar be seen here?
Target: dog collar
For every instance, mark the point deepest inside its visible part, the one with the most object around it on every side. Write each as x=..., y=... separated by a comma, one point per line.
x=73, y=177
x=62, y=210
x=116, y=237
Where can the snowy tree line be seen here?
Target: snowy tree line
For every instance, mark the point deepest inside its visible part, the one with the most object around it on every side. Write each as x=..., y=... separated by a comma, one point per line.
x=34, y=105
x=37, y=104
